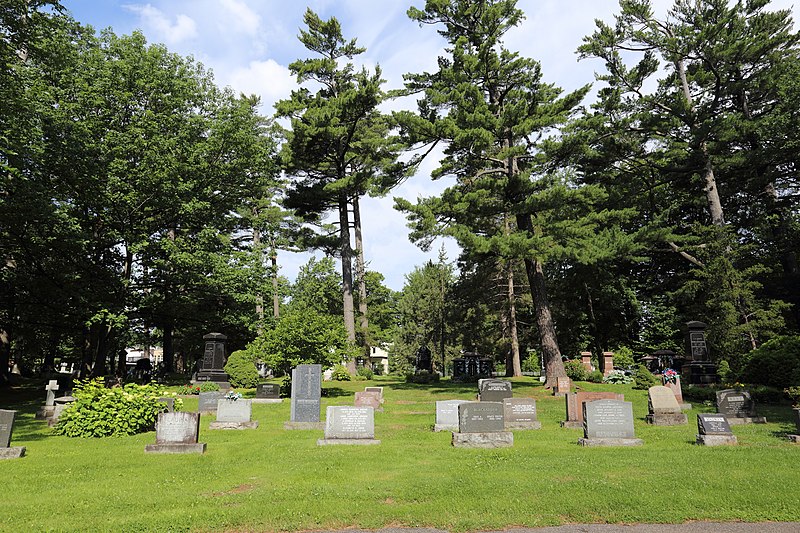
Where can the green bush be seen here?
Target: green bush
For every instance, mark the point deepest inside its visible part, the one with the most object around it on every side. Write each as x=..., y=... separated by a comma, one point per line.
x=623, y=357
x=724, y=371
x=776, y=363
x=241, y=370
x=575, y=370
x=205, y=386
x=643, y=379
x=616, y=377
x=422, y=377
x=101, y=412
x=595, y=376
x=340, y=373
x=208, y=386
x=531, y=363
x=365, y=372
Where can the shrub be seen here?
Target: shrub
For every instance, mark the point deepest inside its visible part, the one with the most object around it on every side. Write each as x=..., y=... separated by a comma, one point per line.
x=724, y=371
x=776, y=363
x=286, y=386
x=618, y=377
x=241, y=370
x=423, y=377
x=101, y=412
x=208, y=386
x=623, y=357
x=699, y=394
x=595, y=376
x=340, y=373
x=365, y=372
x=189, y=389
x=575, y=370
x=531, y=363
x=644, y=379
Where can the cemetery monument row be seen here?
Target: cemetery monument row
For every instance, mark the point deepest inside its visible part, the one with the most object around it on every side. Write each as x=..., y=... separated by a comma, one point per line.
x=6, y=426
x=481, y=425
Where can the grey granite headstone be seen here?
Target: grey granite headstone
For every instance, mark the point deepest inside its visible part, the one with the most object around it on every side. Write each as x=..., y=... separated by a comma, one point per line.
x=480, y=417
x=494, y=390
x=714, y=430
x=207, y=401
x=608, y=423
x=738, y=407
x=177, y=432
x=306, y=393
x=269, y=391
x=447, y=415
x=520, y=413
x=51, y=387
x=234, y=414
x=349, y=425
x=6, y=426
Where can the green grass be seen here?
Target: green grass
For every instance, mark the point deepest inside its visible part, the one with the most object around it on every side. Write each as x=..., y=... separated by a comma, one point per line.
x=272, y=479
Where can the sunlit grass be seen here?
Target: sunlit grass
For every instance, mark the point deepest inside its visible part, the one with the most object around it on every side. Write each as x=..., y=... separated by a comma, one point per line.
x=273, y=479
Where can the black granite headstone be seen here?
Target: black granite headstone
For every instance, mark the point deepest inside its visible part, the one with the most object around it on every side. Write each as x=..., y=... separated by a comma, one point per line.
x=480, y=417
x=6, y=425
x=494, y=390
x=271, y=391
x=713, y=424
x=735, y=403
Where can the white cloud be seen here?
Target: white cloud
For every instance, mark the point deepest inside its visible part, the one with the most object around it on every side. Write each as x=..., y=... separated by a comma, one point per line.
x=157, y=21
x=267, y=79
x=245, y=19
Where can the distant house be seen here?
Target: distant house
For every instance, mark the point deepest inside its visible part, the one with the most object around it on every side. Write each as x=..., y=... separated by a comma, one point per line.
x=379, y=358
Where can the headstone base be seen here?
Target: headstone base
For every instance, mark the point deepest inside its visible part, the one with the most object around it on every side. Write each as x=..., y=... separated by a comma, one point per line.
x=716, y=440
x=45, y=412
x=304, y=425
x=444, y=427
x=794, y=438
x=667, y=419
x=610, y=442
x=253, y=424
x=495, y=439
x=197, y=447
x=523, y=425
x=572, y=424
x=14, y=452
x=347, y=442
x=741, y=420
x=267, y=400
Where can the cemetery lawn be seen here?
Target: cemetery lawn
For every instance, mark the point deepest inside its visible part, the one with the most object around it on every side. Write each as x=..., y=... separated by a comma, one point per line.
x=270, y=479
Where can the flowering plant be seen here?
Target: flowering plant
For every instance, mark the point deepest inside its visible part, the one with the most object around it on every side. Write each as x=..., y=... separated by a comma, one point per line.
x=670, y=376
x=232, y=396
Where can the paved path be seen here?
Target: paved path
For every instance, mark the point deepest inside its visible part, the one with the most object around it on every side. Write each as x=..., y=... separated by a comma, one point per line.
x=689, y=527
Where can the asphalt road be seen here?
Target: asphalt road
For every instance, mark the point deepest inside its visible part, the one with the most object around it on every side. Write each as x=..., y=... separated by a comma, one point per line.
x=689, y=527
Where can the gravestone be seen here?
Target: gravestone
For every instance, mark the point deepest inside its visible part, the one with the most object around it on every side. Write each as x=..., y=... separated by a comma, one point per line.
x=714, y=430
x=677, y=390
x=6, y=426
x=306, y=393
x=575, y=401
x=268, y=393
x=234, y=414
x=481, y=425
x=61, y=403
x=663, y=408
x=207, y=401
x=49, y=408
x=738, y=407
x=349, y=425
x=695, y=338
x=494, y=390
x=447, y=415
x=368, y=399
x=608, y=423
x=562, y=387
x=471, y=366
x=520, y=413
x=212, y=366
x=169, y=402
x=378, y=390
x=177, y=432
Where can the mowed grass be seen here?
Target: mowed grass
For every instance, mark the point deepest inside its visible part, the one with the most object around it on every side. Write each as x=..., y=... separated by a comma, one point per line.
x=270, y=479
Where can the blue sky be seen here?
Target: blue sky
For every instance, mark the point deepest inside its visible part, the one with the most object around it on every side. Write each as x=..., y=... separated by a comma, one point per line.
x=248, y=44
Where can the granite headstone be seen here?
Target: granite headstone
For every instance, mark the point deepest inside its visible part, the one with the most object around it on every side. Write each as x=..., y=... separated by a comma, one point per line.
x=608, y=423
x=481, y=425
x=234, y=414
x=714, y=430
x=663, y=407
x=494, y=390
x=177, y=432
x=520, y=413
x=574, y=405
x=6, y=427
x=447, y=415
x=207, y=401
x=738, y=407
x=349, y=425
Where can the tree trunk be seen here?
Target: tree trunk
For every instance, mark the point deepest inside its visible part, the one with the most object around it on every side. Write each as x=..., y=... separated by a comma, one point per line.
x=5, y=327
x=361, y=276
x=553, y=366
x=347, y=275
x=276, y=301
x=102, y=331
x=512, y=322
x=259, y=296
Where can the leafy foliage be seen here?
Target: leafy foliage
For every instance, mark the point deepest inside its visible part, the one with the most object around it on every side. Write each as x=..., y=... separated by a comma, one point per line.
x=643, y=378
x=575, y=370
x=776, y=363
x=118, y=411
x=241, y=369
x=340, y=373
